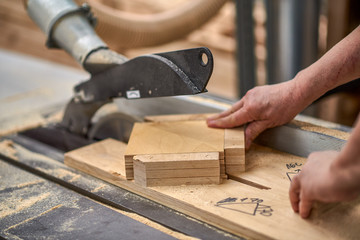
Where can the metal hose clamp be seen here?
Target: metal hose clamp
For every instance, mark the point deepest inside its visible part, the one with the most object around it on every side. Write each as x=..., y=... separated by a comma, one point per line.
x=83, y=9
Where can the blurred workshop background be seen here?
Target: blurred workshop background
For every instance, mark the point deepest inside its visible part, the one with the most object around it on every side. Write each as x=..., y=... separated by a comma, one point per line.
x=254, y=42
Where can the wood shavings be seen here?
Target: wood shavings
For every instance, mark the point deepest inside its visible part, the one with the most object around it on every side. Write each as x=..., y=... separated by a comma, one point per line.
x=8, y=149
x=152, y=224
x=327, y=131
x=27, y=121
x=14, y=205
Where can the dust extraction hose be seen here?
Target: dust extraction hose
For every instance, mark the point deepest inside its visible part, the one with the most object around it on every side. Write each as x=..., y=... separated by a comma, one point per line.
x=130, y=30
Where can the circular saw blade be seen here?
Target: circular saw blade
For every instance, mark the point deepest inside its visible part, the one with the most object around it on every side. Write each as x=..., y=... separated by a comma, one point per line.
x=114, y=125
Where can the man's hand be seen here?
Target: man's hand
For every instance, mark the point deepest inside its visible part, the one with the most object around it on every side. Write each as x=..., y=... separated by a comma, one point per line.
x=320, y=180
x=269, y=106
x=262, y=107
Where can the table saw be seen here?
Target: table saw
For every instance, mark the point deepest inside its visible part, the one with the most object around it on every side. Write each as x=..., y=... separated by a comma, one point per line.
x=42, y=197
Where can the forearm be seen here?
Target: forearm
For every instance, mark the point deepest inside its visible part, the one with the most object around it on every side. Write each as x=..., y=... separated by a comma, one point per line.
x=339, y=65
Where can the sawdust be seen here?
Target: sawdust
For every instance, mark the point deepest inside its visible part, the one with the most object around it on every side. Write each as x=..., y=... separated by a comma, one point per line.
x=8, y=149
x=99, y=188
x=27, y=121
x=14, y=205
x=18, y=124
x=27, y=184
x=327, y=131
x=64, y=173
x=152, y=224
x=26, y=154
x=29, y=219
x=340, y=226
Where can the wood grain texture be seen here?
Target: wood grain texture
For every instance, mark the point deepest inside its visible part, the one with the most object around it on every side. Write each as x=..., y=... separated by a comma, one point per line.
x=106, y=155
x=177, y=169
x=174, y=138
x=183, y=160
x=234, y=142
x=178, y=117
x=243, y=209
x=171, y=181
x=234, y=150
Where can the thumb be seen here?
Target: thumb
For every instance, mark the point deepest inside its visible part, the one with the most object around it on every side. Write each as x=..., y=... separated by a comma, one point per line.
x=253, y=130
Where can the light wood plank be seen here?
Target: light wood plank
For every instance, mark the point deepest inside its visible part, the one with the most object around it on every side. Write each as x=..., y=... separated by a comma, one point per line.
x=184, y=160
x=177, y=169
x=182, y=173
x=234, y=150
x=242, y=209
x=234, y=140
x=180, y=181
x=174, y=138
x=109, y=151
x=178, y=117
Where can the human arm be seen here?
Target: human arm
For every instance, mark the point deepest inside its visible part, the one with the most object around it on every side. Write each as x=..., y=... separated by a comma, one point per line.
x=269, y=106
x=328, y=176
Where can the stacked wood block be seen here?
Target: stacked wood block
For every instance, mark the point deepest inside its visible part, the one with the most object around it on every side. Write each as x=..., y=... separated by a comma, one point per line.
x=181, y=141
x=167, y=152
x=183, y=137
x=234, y=142
x=177, y=169
x=234, y=150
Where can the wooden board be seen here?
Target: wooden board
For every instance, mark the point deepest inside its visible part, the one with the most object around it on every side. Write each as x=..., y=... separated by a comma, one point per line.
x=177, y=169
x=243, y=209
x=174, y=138
x=234, y=150
x=234, y=141
x=110, y=151
x=178, y=117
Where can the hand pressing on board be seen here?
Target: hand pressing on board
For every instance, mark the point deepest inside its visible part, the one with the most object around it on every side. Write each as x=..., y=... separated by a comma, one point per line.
x=261, y=108
x=273, y=105
x=328, y=176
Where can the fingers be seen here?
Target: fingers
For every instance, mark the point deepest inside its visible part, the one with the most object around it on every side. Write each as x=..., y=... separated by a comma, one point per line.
x=305, y=208
x=235, y=119
x=294, y=193
x=238, y=105
x=299, y=202
x=253, y=130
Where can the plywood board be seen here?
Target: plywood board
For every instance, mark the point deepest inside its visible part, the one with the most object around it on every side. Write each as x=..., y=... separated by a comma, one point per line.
x=276, y=165
x=178, y=117
x=110, y=151
x=177, y=169
x=234, y=142
x=152, y=182
x=174, y=138
x=234, y=150
x=243, y=209
x=175, y=161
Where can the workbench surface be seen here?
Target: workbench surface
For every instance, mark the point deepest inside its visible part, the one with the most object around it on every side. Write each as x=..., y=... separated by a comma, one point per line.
x=43, y=198
x=40, y=196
